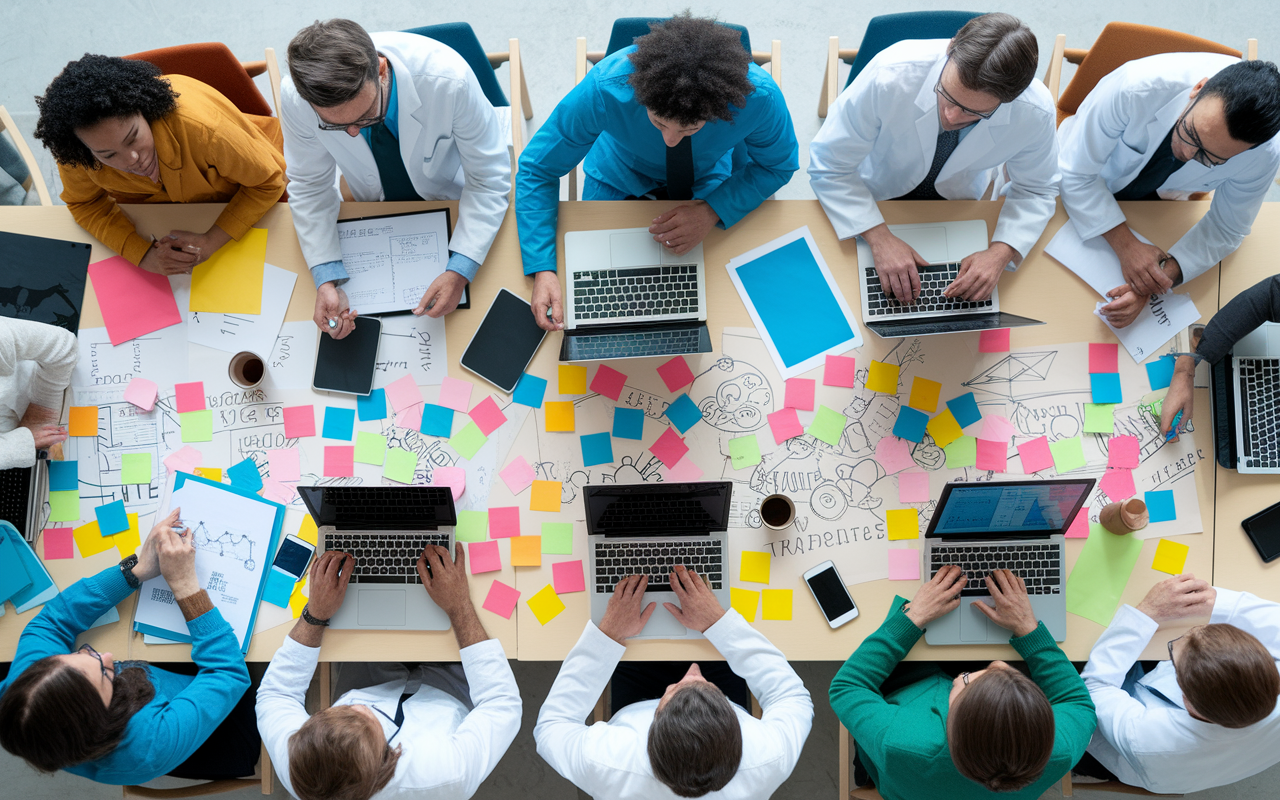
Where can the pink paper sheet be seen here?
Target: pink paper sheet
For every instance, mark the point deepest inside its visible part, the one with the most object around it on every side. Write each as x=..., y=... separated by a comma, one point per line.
x=142, y=393
x=483, y=557
x=299, y=421
x=676, y=374
x=184, y=460
x=501, y=599
x=410, y=417
x=996, y=428
x=285, y=465
x=904, y=564
x=685, y=471
x=134, y=302
x=456, y=394
x=567, y=576
x=453, y=477
x=800, y=393
x=1080, y=525
x=58, y=543
x=669, y=448
x=996, y=341
x=403, y=393
x=517, y=475
x=273, y=489
x=189, y=396
x=992, y=455
x=1035, y=455
x=504, y=522
x=894, y=454
x=487, y=416
x=608, y=382
x=339, y=461
x=839, y=371
x=913, y=487
x=1104, y=357
x=785, y=424
x=1118, y=484
x=1122, y=451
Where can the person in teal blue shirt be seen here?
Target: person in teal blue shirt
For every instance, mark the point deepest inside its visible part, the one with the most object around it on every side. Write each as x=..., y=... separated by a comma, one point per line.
x=681, y=115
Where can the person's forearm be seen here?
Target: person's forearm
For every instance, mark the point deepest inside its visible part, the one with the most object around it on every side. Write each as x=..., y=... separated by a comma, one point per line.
x=467, y=628
x=305, y=633
x=217, y=238
x=1258, y=304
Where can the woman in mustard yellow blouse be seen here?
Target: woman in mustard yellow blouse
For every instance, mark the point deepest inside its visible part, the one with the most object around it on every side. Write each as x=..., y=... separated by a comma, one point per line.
x=122, y=133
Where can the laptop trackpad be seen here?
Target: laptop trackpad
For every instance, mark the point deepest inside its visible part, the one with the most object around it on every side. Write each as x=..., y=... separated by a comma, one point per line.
x=381, y=607
x=974, y=625
x=930, y=243
x=662, y=623
x=633, y=250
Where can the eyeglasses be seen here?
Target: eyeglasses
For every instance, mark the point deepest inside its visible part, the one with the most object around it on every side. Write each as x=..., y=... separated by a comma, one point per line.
x=937, y=88
x=364, y=122
x=964, y=676
x=1183, y=636
x=1191, y=139
x=106, y=673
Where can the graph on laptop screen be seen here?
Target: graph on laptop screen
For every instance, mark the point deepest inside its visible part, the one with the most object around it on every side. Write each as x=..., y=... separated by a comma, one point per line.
x=992, y=508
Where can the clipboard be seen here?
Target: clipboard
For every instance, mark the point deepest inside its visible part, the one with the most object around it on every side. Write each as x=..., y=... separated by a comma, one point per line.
x=391, y=259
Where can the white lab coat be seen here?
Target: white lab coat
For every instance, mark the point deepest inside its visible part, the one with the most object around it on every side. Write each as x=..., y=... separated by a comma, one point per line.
x=452, y=141
x=1114, y=134
x=1145, y=735
x=36, y=361
x=879, y=139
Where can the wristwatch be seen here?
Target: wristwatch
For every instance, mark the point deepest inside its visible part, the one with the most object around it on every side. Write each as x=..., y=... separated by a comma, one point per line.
x=310, y=620
x=126, y=569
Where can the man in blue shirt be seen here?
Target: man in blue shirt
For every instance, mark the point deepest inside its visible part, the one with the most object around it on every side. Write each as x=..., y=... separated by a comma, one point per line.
x=681, y=115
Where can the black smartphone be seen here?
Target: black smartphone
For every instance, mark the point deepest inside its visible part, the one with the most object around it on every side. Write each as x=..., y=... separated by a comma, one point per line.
x=1263, y=529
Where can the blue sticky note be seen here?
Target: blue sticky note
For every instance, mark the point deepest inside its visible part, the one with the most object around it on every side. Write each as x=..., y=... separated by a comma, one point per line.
x=436, y=420
x=339, y=423
x=1160, y=505
x=1160, y=372
x=13, y=578
x=245, y=475
x=1106, y=387
x=683, y=413
x=529, y=391
x=965, y=409
x=279, y=587
x=372, y=407
x=64, y=476
x=910, y=424
x=628, y=423
x=596, y=449
x=112, y=518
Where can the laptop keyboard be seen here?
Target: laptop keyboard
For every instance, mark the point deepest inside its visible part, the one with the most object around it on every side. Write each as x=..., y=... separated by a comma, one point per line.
x=933, y=280
x=635, y=345
x=1259, y=411
x=383, y=557
x=14, y=494
x=1039, y=565
x=638, y=292
x=617, y=560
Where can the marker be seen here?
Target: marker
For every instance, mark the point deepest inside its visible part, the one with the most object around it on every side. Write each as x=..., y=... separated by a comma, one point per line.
x=1173, y=429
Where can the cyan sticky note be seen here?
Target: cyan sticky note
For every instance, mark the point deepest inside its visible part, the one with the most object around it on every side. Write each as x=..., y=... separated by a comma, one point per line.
x=596, y=449
x=529, y=391
x=245, y=475
x=112, y=518
x=436, y=420
x=910, y=424
x=683, y=413
x=1160, y=505
x=339, y=423
x=965, y=409
x=1106, y=387
x=1160, y=372
x=370, y=408
x=279, y=587
x=64, y=476
x=628, y=423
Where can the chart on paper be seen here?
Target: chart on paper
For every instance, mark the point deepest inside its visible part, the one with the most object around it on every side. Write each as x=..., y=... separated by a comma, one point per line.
x=392, y=260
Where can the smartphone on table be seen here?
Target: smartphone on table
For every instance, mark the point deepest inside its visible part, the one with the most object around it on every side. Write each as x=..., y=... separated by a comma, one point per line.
x=833, y=598
x=293, y=557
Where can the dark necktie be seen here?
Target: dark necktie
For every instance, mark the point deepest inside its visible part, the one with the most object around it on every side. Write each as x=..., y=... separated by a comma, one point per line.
x=386, y=153
x=1153, y=174
x=947, y=141
x=680, y=170
x=399, y=717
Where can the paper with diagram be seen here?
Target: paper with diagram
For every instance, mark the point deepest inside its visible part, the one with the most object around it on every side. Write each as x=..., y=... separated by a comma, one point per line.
x=392, y=260
x=234, y=333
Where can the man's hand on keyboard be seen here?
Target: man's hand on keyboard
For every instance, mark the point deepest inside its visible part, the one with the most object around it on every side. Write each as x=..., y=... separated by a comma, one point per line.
x=446, y=581
x=1012, y=609
x=623, y=618
x=546, y=295
x=685, y=226
x=330, y=574
x=896, y=263
x=980, y=272
x=937, y=597
x=699, y=609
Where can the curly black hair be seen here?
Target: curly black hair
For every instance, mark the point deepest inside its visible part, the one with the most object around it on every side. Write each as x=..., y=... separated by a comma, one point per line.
x=690, y=70
x=91, y=90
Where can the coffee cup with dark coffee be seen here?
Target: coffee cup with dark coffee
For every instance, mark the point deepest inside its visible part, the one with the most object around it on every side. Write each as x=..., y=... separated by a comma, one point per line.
x=246, y=369
x=777, y=511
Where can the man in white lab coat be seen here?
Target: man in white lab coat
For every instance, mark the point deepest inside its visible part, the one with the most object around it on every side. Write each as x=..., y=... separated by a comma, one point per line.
x=404, y=118
x=1164, y=127
x=1207, y=716
x=937, y=119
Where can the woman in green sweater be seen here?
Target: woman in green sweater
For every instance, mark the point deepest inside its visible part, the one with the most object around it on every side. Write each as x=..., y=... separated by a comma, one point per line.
x=923, y=734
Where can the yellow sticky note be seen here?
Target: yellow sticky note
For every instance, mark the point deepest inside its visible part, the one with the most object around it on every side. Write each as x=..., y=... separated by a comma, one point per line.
x=546, y=605
x=90, y=541
x=297, y=600
x=883, y=377
x=573, y=379
x=559, y=415
x=777, y=604
x=230, y=282
x=1171, y=556
x=944, y=429
x=212, y=473
x=84, y=421
x=545, y=496
x=924, y=395
x=129, y=540
x=526, y=551
x=904, y=523
x=755, y=567
x=308, y=531
x=744, y=601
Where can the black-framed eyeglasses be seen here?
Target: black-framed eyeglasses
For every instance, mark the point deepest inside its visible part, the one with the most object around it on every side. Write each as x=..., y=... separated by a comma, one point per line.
x=87, y=648
x=365, y=122
x=1183, y=636
x=1191, y=139
x=941, y=92
x=964, y=676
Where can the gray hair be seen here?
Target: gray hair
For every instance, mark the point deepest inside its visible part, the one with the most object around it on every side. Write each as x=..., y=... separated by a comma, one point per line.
x=330, y=62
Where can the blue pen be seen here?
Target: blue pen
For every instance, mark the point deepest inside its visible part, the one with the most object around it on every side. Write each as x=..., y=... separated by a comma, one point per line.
x=1173, y=429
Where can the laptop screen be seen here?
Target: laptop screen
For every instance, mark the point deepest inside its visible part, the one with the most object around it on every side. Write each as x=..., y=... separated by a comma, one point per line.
x=380, y=508
x=657, y=509
x=1003, y=509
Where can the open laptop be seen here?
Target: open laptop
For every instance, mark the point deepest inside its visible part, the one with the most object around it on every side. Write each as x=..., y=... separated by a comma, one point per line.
x=944, y=245
x=1245, y=394
x=22, y=494
x=1015, y=525
x=649, y=528
x=626, y=296
x=385, y=528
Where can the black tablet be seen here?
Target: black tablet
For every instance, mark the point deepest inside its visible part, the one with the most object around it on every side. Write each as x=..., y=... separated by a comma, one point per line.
x=347, y=365
x=505, y=342
x=1264, y=531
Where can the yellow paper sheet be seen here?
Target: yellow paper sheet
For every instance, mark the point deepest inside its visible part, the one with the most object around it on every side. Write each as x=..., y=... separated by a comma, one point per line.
x=526, y=551
x=904, y=523
x=230, y=282
x=559, y=415
x=90, y=541
x=545, y=496
x=777, y=604
x=308, y=531
x=212, y=473
x=546, y=605
x=755, y=567
x=297, y=599
x=883, y=377
x=1171, y=557
x=944, y=428
x=924, y=395
x=573, y=379
x=744, y=601
x=128, y=541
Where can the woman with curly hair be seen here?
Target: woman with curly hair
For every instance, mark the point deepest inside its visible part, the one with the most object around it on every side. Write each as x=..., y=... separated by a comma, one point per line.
x=123, y=133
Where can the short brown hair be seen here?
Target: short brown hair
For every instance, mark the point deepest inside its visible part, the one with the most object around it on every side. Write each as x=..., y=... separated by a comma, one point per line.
x=695, y=741
x=995, y=54
x=1000, y=731
x=336, y=755
x=331, y=61
x=1228, y=676
x=691, y=69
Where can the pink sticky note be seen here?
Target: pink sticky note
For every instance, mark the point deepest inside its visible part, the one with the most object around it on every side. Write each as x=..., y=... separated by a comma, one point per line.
x=685, y=471
x=992, y=455
x=517, y=475
x=453, y=477
x=1122, y=451
x=996, y=428
x=339, y=461
x=1104, y=357
x=784, y=424
x=284, y=464
x=142, y=393
x=567, y=576
x=483, y=557
x=894, y=454
x=669, y=448
x=487, y=416
x=273, y=489
x=904, y=564
x=501, y=599
x=184, y=460
x=1080, y=525
x=299, y=421
x=410, y=417
x=913, y=486
x=1118, y=484
x=402, y=393
x=675, y=374
x=996, y=341
x=504, y=522
x=133, y=301
x=608, y=382
x=190, y=396
x=799, y=393
x=456, y=394
x=57, y=543
x=839, y=371
x=1035, y=455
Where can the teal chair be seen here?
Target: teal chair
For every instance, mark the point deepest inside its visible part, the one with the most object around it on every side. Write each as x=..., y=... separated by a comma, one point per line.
x=883, y=31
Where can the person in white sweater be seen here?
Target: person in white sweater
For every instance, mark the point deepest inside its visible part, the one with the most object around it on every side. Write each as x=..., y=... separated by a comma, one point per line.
x=35, y=369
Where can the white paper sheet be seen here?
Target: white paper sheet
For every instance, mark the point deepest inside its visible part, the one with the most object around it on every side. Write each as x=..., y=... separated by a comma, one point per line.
x=160, y=356
x=237, y=332
x=292, y=363
x=392, y=260
x=411, y=343
x=1093, y=259
x=1165, y=316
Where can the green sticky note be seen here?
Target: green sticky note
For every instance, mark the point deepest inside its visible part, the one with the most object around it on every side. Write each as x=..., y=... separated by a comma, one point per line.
x=371, y=448
x=962, y=452
x=400, y=465
x=1099, y=417
x=744, y=451
x=1097, y=581
x=1068, y=454
x=197, y=426
x=557, y=538
x=135, y=468
x=827, y=425
x=473, y=526
x=64, y=506
x=468, y=441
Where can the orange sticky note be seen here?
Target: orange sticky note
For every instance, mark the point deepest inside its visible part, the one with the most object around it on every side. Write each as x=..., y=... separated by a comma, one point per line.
x=755, y=567
x=776, y=604
x=573, y=379
x=904, y=523
x=944, y=429
x=84, y=421
x=559, y=415
x=526, y=551
x=882, y=377
x=545, y=496
x=744, y=601
x=924, y=395
x=546, y=605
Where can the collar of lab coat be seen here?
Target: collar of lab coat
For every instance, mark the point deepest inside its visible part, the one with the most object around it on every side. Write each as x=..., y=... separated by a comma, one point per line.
x=410, y=109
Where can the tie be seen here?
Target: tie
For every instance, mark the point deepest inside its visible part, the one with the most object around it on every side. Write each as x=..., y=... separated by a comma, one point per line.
x=947, y=141
x=386, y=153
x=1153, y=174
x=680, y=170
x=399, y=717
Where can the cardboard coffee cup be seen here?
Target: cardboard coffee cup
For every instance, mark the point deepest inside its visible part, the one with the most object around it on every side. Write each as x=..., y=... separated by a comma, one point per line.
x=777, y=512
x=246, y=369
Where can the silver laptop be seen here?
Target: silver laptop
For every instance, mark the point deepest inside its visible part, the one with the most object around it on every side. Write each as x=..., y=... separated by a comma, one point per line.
x=385, y=529
x=1014, y=525
x=944, y=245
x=648, y=529
x=23, y=496
x=1253, y=384
x=626, y=296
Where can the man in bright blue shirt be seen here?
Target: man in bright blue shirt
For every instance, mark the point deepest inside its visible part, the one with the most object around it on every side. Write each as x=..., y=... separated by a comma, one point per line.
x=681, y=115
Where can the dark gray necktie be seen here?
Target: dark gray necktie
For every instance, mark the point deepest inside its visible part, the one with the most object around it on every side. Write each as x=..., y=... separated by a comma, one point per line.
x=947, y=141
x=680, y=170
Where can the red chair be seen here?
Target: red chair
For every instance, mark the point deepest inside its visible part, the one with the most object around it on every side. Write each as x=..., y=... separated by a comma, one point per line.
x=213, y=63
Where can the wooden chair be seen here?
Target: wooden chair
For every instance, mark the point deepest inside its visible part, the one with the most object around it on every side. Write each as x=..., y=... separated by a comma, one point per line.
x=213, y=63
x=1110, y=786
x=34, y=178
x=265, y=780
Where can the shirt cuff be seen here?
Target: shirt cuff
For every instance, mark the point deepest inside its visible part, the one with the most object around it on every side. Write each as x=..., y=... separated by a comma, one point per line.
x=463, y=266
x=1038, y=639
x=329, y=271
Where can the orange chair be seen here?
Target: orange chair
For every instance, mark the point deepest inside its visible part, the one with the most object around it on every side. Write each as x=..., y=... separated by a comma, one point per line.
x=213, y=63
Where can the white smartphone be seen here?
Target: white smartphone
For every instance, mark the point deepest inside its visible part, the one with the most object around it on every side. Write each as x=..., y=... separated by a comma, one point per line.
x=828, y=589
x=294, y=556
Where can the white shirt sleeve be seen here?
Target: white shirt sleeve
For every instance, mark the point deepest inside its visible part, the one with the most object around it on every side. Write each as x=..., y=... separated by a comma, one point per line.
x=1251, y=614
x=1086, y=146
x=837, y=152
x=313, y=198
x=1231, y=213
x=486, y=170
x=1030, y=199
x=482, y=738
x=280, y=704
x=53, y=350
